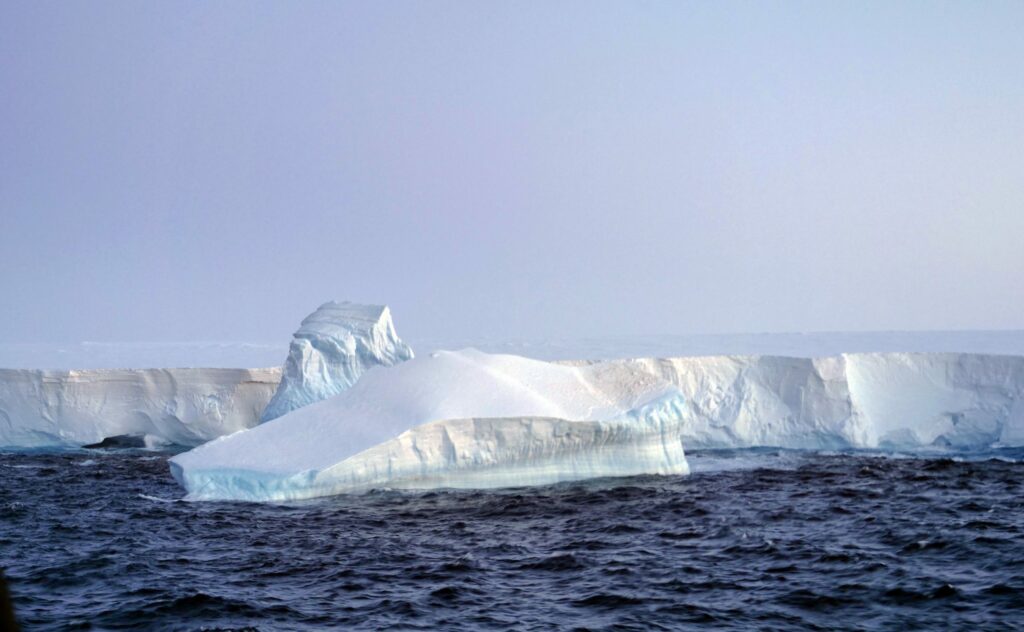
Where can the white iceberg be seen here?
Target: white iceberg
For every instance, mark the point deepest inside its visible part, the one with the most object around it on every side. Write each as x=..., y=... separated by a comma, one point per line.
x=469, y=419
x=452, y=419
x=333, y=347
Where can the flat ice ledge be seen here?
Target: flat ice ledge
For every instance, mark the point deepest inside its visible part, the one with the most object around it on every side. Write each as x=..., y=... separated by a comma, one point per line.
x=491, y=453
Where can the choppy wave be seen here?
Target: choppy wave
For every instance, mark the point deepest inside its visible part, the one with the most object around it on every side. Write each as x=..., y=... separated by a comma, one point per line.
x=753, y=539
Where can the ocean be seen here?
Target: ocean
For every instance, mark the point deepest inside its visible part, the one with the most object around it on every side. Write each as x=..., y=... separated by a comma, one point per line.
x=753, y=539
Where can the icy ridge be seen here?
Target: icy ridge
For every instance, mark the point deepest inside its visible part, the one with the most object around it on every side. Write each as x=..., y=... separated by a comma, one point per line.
x=332, y=348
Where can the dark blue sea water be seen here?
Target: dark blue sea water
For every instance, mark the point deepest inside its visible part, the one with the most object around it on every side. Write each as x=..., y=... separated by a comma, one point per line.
x=752, y=540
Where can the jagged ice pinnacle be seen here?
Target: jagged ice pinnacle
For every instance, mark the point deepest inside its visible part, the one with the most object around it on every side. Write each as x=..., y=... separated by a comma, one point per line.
x=333, y=347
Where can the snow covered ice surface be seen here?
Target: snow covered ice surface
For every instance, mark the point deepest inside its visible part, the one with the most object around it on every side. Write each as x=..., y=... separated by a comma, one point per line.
x=333, y=347
x=452, y=419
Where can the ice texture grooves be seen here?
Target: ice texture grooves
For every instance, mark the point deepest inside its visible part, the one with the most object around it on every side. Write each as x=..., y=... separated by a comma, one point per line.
x=456, y=419
x=333, y=347
x=178, y=406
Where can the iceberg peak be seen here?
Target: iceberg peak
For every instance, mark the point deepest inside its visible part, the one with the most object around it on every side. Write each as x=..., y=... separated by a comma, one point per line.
x=332, y=348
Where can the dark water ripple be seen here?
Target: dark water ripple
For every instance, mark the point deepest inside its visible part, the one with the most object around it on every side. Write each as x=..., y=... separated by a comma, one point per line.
x=92, y=541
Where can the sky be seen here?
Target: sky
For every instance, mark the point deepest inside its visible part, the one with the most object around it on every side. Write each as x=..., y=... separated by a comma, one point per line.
x=183, y=171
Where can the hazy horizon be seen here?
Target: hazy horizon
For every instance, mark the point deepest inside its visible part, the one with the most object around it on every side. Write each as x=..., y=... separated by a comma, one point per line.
x=234, y=354
x=457, y=337
x=203, y=172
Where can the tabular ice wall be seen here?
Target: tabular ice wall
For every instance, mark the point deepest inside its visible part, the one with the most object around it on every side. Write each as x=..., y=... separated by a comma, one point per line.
x=902, y=401
x=176, y=406
x=880, y=400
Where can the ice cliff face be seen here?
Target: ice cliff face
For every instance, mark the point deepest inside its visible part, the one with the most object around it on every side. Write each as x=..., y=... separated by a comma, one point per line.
x=902, y=401
x=176, y=406
x=333, y=347
x=957, y=401
x=461, y=419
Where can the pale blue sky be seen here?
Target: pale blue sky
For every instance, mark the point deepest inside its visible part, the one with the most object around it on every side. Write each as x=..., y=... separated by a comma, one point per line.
x=201, y=171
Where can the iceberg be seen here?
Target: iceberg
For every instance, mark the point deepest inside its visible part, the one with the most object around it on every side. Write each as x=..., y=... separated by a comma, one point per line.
x=886, y=401
x=59, y=408
x=452, y=419
x=469, y=419
x=333, y=347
